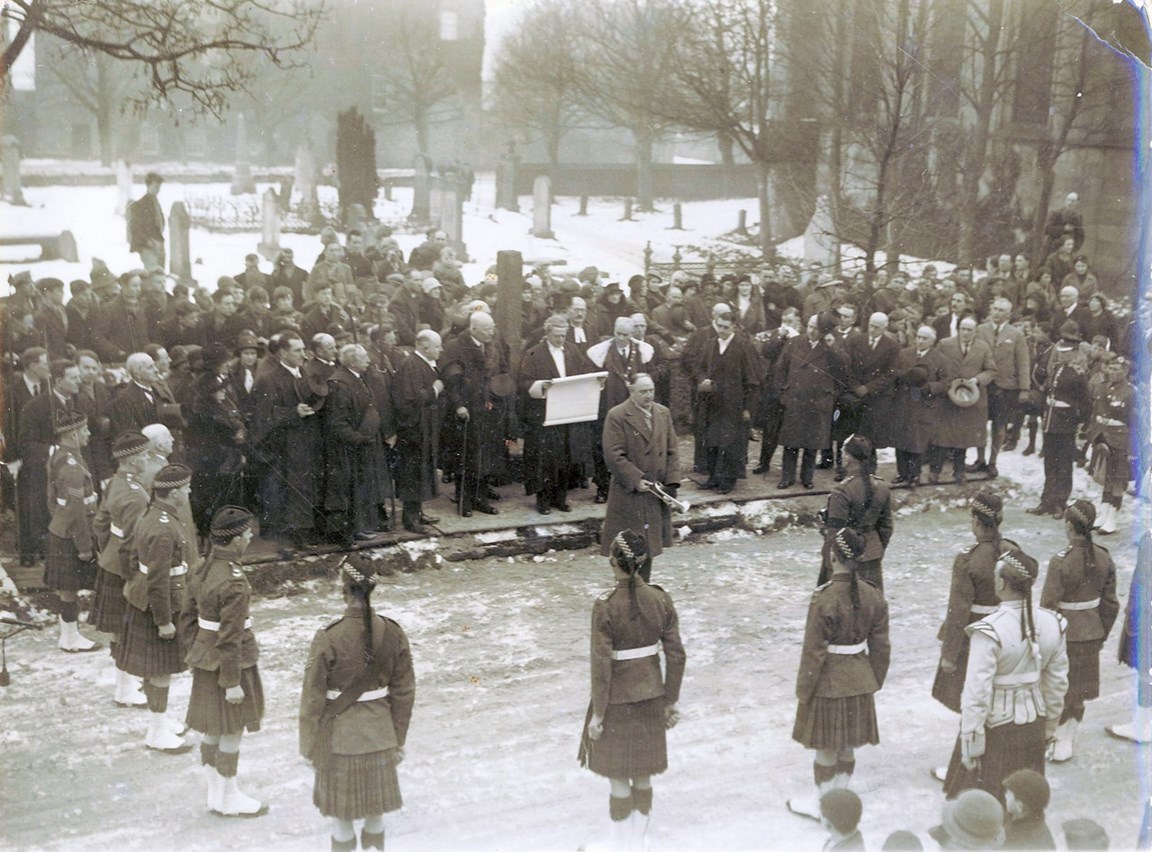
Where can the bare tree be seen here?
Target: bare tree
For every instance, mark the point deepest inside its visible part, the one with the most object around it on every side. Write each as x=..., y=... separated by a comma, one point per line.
x=100, y=85
x=201, y=49
x=627, y=56
x=535, y=79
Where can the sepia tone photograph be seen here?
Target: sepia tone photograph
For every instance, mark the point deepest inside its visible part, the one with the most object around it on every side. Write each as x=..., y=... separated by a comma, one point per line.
x=593, y=425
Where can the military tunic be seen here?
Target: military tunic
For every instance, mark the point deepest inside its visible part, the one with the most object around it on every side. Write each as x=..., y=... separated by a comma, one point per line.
x=356, y=777
x=124, y=502
x=1112, y=412
x=216, y=628
x=154, y=591
x=850, y=506
x=72, y=503
x=1086, y=597
x=1068, y=405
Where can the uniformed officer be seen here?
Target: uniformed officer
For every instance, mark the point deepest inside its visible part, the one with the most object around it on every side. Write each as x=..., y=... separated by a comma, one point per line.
x=359, y=688
x=861, y=501
x=1063, y=379
x=149, y=646
x=70, y=563
x=125, y=500
x=843, y=664
x=632, y=704
x=971, y=596
x=1112, y=409
x=1081, y=586
x=1014, y=686
x=216, y=627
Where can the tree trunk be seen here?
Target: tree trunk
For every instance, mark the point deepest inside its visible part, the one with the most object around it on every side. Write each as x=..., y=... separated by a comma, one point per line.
x=420, y=122
x=764, y=193
x=554, y=149
x=104, y=134
x=727, y=150
x=644, y=141
x=1046, y=166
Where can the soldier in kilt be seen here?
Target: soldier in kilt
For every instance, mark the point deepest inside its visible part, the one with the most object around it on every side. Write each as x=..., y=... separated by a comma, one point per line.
x=633, y=704
x=149, y=645
x=1081, y=586
x=1113, y=402
x=70, y=563
x=861, y=501
x=355, y=707
x=843, y=664
x=227, y=696
x=971, y=596
x=125, y=500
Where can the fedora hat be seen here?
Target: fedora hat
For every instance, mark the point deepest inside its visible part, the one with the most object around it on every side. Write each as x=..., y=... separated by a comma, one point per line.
x=964, y=393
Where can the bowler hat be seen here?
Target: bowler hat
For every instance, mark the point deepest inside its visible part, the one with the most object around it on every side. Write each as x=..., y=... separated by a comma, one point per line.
x=975, y=819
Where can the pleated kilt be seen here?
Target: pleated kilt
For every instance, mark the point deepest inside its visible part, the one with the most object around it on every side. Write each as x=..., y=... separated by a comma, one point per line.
x=210, y=714
x=947, y=688
x=63, y=570
x=142, y=652
x=634, y=742
x=836, y=723
x=1083, y=671
x=1006, y=749
x=354, y=786
x=108, y=603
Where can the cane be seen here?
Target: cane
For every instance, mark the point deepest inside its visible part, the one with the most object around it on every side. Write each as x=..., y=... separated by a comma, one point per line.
x=463, y=479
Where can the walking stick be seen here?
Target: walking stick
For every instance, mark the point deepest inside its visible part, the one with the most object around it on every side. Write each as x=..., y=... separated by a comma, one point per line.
x=463, y=480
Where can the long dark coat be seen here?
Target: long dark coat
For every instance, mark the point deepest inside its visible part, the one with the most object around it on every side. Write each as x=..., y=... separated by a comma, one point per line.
x=550, y=450
x=807, y=379
x=419, y=413
x=874, y=369
x=131, y=410
x=913, y=408
x=633, y=451
x=213, y=453
x=735, y=376
x=955, y=426
x=290, y=446
x=468, y=374
x=351, y=424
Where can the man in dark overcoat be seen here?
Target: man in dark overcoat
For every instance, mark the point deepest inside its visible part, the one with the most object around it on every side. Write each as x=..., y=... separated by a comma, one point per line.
x=134, y=405
x=913, y=408
x=873, y=381
x=417, y=400
x=807, y=381
x=551, y=453
x=470, y=362
x=639, y=448
x=690, y=363
x=287, y=438
x=960, y=359
x=121, y=326
x=1013, y=375
x=354, y=449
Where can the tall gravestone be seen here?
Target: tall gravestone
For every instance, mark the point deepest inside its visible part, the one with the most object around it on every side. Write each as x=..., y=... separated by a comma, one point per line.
x=180, y=255
x=421, y=191
x=123, y=186
x=452, y=213
x=506, y=169
x=242, y=182
x=270, y=220
x=435, y=197
x=10, y=150
x=542, y=208
x=306, y=184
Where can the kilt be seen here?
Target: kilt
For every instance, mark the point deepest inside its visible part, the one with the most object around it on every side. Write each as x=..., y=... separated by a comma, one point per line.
x=1006, y=749
x=836, y=723
x=354, y=786
x=1083, y=671
x=63, y=570
x=634, y=742
x=108, y=604
x=142, y=652
x=210, y=714
x=947, y=688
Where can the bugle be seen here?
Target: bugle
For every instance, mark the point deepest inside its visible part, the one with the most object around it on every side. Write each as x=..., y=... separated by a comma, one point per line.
x=675, y=505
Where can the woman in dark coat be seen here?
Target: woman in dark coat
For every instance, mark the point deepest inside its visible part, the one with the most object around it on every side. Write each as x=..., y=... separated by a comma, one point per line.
x=355, y=707
x=227, y=695
x=843, y=664
x=1081, y=586
x=215, y=438
x=633, y=704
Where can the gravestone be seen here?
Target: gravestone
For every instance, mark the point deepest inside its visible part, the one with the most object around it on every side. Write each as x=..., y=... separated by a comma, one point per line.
x=421, y=190
x=242, y=182
x=123, y=186
x=270, y=232
x=10, y=149
x=306, y=184
x=452, y=191
x=542, y=208
x=435, y=192
x=506, y=169
x=180, y=256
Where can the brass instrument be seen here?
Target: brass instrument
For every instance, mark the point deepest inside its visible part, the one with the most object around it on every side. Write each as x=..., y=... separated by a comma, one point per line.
x=657, y=489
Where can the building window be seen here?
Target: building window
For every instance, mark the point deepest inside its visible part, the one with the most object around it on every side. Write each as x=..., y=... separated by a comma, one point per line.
x=449, y=26
x=379, y=92
x=196, y=142
x=149, y=140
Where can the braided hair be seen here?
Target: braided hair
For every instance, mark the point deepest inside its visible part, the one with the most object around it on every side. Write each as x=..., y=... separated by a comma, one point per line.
x=630, y=551
x=357, y=573
x=1019, y=572
x=1082, y=516
x=848, y=544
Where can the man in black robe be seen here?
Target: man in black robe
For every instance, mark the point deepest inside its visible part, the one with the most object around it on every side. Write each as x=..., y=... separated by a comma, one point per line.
x=417, y=392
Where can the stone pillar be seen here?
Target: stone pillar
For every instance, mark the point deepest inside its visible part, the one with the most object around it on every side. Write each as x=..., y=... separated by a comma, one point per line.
x=506, y=172
x=270, y=232
x=510, y=281
x=542, y=208
x=242, y=182
x=435, y=199
x=123, y=186
x=420, y=191
x=179, y=252
x=10, y=150
x=306, y=184
x=452, y=213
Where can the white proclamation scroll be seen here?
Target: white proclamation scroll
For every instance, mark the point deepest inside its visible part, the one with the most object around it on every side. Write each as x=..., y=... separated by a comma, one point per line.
x=575, y=399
